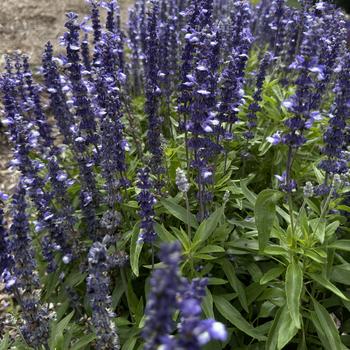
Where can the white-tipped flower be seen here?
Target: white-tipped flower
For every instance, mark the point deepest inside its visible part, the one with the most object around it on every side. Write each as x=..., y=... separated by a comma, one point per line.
x=226, y=196
x=181, y=181
x=337, y=181
x=308, y=190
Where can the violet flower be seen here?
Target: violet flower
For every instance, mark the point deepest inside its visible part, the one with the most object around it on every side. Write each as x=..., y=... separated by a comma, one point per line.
x=81, y=100
x=161, y=303
x=193, y=331
x=254, y=106
x=203, y=122
x=335, y=137
x=66, y=123
x=58, y=103
x=5, y=258
x=152, y=92
x=146, y=201
x=232, y=78
x=22, y=278
x=134, y=45
x=85, y=53
x=98, y=284
x=169, y=291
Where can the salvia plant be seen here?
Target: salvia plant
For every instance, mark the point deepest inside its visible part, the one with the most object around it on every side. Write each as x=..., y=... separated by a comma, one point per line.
x=182, y=180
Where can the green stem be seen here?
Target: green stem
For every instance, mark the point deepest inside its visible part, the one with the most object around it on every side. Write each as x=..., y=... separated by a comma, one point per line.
x=290, y=200
x=324, y=208
x=188, y=216
x=152, y=248
x=187, y=153
x=291, y=215
x=225, y=162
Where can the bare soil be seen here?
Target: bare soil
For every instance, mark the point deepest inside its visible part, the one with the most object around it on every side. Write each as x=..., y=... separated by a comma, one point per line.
x=27, y=25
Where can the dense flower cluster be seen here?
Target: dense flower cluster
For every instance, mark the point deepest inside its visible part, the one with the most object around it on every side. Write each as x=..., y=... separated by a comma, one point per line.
x=336, y=135
x=152, y=90
x=5, y=258
x=146, y=202
x=21, y=276
x=254, y=107
x=100, y=301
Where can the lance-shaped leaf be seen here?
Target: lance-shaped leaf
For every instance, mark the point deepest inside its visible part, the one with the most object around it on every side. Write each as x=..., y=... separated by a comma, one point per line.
x=294, y=287
x=265, y=213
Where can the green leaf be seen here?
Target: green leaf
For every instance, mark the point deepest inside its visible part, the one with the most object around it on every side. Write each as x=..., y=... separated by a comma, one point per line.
x=266, y=309
x=232, y=315
x=332, y=228
x=344, y=208
x=281, y=331
x=51, y=282
x=19, y=345
x=207, y=304
x=135, y=250
x=325, y=327
x=57, y=329
x=272, y=274
x=319, y=175
x=163, y=233
x=122, y=321
x=314, y=255
x=179, y=212
x=75, y=278
x=276, y=250
x=130, y=344
x=319, y=330
x=249, y=195
x=250, y=225
x=254, y=271
x=131, y=204
x=244, y=244
x=207, y=227
x=294, y=287
x=183, y=237
x=61, y=310
x=341, y=244
x=212, y=249
x=216, y=281
x=117, y=294
x=235, y=283
x=83, y=341
x=265, y=213
x=5, y=342
x=313, y=206
x=320, y=230
x=132, y=299
x=341, y=274
x=204, y=256
x=287, y=329
x=139, y=311
x=328, y=285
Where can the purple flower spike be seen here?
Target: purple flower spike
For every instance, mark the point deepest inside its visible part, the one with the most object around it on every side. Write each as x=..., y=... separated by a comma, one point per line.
x=146, y=202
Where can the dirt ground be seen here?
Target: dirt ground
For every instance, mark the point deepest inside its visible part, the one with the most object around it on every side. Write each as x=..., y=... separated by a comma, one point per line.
x=27, y=25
